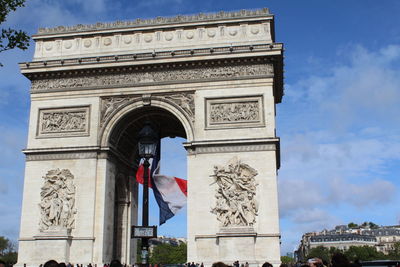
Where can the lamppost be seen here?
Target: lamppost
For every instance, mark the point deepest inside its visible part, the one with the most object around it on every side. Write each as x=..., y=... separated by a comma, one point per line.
x=148, y=140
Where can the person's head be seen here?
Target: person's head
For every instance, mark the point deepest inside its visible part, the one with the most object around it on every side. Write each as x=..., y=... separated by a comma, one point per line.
x=267, y=264
x=62, y=264
x=314, y=262
x=339, y=260
x=219, y=264
x=51, y=263
x=2, y=263
x=115, y=263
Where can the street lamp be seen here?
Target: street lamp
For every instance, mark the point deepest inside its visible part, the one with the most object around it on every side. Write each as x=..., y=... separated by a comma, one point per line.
x=148, y=140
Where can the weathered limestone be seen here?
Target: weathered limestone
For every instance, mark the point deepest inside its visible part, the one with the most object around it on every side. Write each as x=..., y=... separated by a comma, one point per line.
x=213, y=79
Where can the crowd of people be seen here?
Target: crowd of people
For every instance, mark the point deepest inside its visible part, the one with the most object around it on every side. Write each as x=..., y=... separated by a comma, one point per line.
x=338, y=260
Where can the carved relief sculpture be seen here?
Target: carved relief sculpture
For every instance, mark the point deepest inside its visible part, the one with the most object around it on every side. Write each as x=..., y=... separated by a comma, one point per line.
x=109, y=104
x=185, y=101
x=63, y=121
x=57, y=205
x=233, y=112
x=236, y=203
x=142, y=77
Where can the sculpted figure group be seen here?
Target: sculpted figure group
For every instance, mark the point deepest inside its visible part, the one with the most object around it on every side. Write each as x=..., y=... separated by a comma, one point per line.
x=236, y=204
x=63, y=121
x=57, y=204
x=234, y=112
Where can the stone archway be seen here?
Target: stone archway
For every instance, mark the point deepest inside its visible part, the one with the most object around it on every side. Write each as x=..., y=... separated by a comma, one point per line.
x=212, y=78
x=125, y=123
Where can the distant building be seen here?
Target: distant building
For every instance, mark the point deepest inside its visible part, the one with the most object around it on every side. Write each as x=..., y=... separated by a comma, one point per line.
x=343, y=237
x=386, y=237
x=174, y=241
x=342, y=241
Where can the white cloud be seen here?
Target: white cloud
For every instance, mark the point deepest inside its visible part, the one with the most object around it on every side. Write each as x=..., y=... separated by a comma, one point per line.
x=342, y=139
x=361, y=195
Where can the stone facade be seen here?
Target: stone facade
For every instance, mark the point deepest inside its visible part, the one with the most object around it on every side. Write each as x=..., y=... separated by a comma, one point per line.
x=213, y=79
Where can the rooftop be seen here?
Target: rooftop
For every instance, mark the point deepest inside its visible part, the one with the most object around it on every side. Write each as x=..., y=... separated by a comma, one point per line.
x=201, y=17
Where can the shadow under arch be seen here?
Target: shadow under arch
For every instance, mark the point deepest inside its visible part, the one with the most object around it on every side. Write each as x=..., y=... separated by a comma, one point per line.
x=118, y=134
x=129, y=118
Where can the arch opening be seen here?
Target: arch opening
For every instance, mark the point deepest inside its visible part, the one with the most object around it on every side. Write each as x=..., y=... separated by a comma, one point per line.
x=123, y=141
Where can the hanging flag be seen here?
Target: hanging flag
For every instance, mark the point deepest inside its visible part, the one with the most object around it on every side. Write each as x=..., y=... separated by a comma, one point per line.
x=169, y=192
x=140, y=175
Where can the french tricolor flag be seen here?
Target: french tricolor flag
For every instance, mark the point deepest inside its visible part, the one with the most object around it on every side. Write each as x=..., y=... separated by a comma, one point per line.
x=170, y=192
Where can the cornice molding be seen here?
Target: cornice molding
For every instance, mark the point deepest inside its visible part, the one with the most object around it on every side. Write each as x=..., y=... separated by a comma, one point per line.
x=136, y=59
x=228, y=146
x=201, y=17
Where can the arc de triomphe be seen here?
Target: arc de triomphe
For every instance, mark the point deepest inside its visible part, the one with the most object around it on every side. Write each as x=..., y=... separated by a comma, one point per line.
x=213, y=79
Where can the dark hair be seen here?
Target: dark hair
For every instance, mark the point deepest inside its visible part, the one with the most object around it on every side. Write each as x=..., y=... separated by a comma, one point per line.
x=340, y=260
x=267, y=264
x=62, y=264
x=115, y=263
x=2, y=262
x=51, y=263
x=219, y=264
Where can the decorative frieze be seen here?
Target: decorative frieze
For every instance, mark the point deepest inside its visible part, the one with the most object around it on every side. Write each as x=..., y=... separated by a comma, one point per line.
x=236, y=203
x=57, y=201
x=232, y=148
x=63, y=122
x=142, y=77
x=234, y=112
x=61, y=156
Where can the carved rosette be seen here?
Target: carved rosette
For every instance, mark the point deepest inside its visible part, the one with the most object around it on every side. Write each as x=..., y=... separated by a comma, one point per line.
x=57, y=205
x=236, y=203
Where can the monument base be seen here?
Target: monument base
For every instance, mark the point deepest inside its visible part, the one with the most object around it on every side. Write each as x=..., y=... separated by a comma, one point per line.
x=53, y=243
x=238, y=243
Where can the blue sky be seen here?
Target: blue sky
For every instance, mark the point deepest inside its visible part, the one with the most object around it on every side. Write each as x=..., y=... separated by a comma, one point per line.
x=339, y=120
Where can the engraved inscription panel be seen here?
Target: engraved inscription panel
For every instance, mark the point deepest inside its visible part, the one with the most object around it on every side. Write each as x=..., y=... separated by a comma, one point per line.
x=234, y=112
x=63, y=122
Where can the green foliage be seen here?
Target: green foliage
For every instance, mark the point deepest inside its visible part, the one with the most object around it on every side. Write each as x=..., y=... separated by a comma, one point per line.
x=7, y=251
x=287, y=259
x=364, y=253
x=320, y=252
x=169, y=254
x=139, y=251
x=394, y=253
x=10, y=38
x=10, y=258
x=352, y=225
